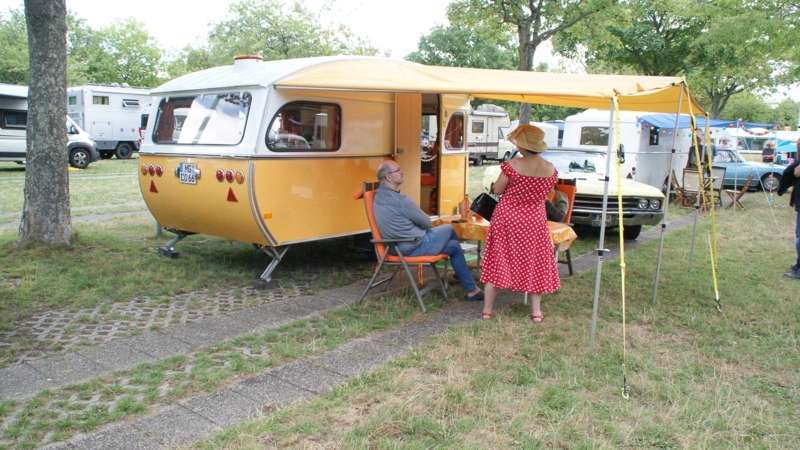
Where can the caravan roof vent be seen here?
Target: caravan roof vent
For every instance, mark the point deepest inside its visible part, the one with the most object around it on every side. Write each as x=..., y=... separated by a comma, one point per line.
x=115, y=84
x=126, y=85
x=490, y=107
x=242, y=61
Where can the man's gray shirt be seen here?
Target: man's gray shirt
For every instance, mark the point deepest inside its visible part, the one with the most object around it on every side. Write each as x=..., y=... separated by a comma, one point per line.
x=398, y=217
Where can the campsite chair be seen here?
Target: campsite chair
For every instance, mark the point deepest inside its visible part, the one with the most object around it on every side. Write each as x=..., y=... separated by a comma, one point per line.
x=736, y=195
x=691, y=188
x=385, y=258
x=570, y=190
x=717, y=178
x=677, y=189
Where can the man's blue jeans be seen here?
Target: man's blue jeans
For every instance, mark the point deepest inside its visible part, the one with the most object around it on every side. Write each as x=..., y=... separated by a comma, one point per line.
x=443, y=239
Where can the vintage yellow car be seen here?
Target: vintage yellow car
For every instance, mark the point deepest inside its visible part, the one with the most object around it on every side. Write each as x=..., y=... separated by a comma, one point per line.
x=641, y=204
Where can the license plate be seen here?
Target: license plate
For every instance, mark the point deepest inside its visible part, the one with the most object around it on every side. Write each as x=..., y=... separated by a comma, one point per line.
x=187, y=173
x=597, y=219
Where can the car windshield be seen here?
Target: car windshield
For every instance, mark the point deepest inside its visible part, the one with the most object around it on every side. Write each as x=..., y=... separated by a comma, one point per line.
x=576, y=161
x=728, y=156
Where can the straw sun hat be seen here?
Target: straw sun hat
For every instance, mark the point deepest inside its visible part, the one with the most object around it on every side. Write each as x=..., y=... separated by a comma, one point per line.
x=528, y=137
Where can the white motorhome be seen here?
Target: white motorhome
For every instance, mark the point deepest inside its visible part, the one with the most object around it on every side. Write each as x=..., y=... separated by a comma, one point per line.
x=483, y=132
x=13, y=135
x=507, y=148
x=589, y=129
x=111, y=113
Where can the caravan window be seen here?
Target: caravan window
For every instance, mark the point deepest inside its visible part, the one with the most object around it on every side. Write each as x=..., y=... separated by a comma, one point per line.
x=594, y=136
x=454, y=134
x=477, y=127
x=15, y=119
x=207, y=119
x=653, y=136
x=100, y=100
x=306, y=127
x=130, y=103
x=72, y=100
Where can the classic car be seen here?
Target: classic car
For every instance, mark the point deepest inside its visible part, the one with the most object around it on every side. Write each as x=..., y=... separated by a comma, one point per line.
x=737, y=169
x=642, y=204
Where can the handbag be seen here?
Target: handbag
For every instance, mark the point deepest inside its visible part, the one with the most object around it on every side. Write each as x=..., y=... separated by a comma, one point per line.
x=484, y=206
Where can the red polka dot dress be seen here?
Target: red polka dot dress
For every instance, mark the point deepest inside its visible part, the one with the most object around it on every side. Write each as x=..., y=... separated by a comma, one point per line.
x=519, y=253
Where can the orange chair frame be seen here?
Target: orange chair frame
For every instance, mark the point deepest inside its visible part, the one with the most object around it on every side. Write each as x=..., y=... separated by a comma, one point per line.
x=570, y=191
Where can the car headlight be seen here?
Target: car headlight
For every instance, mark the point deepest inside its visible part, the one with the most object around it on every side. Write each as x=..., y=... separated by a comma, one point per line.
x=655, y=204
x=643, y=203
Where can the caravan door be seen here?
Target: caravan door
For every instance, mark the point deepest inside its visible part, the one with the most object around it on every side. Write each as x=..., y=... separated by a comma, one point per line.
x=454, y=154
x=407, y=131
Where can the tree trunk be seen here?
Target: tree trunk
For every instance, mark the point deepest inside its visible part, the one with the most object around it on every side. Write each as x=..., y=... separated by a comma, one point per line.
x=46, y=214
x=526, y=51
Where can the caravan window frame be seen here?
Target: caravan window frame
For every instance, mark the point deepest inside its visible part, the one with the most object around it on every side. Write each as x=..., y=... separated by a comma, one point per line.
x=193, y=115
x=100, y=100
x=5, y=125
x=298, y=143
x=131, y=103
x=448, y=131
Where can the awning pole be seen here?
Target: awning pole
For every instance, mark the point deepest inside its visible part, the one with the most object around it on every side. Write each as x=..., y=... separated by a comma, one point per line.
x=669, y=189
x=600, y=249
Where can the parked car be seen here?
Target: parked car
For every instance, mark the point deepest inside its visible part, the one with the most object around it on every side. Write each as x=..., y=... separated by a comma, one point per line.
x=642, y=204
x=737, y=169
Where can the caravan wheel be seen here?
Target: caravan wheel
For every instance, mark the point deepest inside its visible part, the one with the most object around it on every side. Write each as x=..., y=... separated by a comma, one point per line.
x=477, y=162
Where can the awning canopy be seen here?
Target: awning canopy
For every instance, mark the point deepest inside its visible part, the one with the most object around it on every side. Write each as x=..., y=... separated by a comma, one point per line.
x=635, y=93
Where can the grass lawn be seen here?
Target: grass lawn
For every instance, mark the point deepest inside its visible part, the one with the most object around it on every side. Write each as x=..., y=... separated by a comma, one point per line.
x=699, y=378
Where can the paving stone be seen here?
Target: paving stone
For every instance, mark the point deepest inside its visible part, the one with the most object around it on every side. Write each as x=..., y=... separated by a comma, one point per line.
x=460, y=315
x=175, y=425
x=371, y=350
x=412, y=335
x=272, y=315
x=303, y=374
x=116, y=355
x=21, y=381
x=224, y=408
x=270, y=393
x=116, y=437
x=209, y=331
x=346, y=364
x=58, y=446
x=157, y=345
x=66, y=369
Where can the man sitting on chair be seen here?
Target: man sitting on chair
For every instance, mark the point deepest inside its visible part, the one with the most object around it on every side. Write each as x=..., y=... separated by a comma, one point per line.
x=556, y=205
x=398, y=217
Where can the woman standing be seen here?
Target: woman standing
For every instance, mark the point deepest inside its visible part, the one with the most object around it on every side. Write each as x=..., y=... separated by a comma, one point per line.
x=519, y=253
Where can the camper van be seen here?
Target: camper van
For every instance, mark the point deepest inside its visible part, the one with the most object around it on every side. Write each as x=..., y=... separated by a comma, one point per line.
x=483, y=132
x=111, y=114
x=589, y=129
x=13, y=136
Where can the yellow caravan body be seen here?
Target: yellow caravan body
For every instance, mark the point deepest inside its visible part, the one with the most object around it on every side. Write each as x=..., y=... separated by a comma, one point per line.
x=272, y=152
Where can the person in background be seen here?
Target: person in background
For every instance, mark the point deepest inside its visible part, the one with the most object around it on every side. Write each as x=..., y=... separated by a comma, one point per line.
x=519, y=253
x=398, y=217
x=791, y=179
x=768, y=154
x=556, y=205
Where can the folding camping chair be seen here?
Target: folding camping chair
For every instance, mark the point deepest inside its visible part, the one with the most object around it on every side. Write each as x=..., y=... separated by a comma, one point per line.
x=385, y=258
x=736, y=195
x=570, y=190
x=692, y=188
x=717, y=179
x=678, y=191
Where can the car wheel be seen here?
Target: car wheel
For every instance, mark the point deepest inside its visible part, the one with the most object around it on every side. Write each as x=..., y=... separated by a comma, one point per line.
x=106, y=155
x=507, y=156
x=124, y=150
x=79, y=158
x=631, y=232
x=770, y=181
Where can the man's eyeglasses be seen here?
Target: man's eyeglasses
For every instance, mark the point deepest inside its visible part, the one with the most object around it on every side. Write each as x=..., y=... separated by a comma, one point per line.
x=394, y=171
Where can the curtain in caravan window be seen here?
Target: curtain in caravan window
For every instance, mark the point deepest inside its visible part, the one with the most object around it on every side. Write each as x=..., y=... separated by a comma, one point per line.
x=208, y=119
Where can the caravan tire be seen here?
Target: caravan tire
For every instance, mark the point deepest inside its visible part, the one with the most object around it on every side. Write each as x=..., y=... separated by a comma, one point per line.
x=79, y=158
x=631, y=232
x=477, y=162
x=124, y=150
x=106, y=155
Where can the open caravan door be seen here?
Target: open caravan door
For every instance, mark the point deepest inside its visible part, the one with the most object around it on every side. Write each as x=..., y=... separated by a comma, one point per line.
x=407, y=149
x=454, y=154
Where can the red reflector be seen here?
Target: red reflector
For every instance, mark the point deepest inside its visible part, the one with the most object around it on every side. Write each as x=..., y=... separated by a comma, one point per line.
x=151, y=170
x=159, y=170
x=220, y=175
x=229, y=176
x=153, y=187
x=231, y=195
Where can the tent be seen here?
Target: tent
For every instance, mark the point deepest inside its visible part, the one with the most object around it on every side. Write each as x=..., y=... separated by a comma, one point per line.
x=611, y=92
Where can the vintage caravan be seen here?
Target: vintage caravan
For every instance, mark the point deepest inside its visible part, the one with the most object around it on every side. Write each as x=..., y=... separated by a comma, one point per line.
x=483, y=132
x=81, y=150
x=272, y=153
x=589, y=129
x=111, y=114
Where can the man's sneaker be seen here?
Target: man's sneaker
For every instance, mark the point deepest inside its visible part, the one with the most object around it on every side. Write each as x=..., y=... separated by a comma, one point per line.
x=795, y=268
x=793, y=274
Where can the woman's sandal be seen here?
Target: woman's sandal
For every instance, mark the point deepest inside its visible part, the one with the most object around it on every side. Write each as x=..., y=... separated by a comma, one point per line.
x=486, y=316
x=537, y=318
